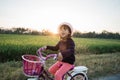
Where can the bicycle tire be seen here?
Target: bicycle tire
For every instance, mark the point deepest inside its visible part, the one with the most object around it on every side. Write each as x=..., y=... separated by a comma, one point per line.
x=65, y=77
x=79, y=76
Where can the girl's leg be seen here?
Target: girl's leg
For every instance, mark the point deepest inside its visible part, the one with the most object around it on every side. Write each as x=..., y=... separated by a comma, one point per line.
x=55, y=67
x=63, y=69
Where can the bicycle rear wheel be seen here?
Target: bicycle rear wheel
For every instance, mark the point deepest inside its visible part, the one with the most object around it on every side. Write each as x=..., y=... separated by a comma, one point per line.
x=79, y=76
x=65, y=77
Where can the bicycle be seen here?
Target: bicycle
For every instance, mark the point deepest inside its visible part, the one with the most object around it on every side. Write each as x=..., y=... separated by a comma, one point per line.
x=33, y=66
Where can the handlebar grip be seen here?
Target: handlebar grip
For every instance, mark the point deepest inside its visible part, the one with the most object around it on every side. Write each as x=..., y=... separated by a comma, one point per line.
x=55, y=57
x=39, y=52
x=52, y=55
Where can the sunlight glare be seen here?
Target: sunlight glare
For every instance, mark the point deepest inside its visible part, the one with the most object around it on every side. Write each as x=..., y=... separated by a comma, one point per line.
x=54, y=31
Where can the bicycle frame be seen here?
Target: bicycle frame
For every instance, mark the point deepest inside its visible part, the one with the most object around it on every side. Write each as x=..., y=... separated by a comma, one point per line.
x=44, y=75
x=44, y=72
x=47, y=76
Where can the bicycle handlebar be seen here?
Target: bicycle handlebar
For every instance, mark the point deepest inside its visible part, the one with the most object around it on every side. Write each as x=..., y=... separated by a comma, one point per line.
x=39, y=52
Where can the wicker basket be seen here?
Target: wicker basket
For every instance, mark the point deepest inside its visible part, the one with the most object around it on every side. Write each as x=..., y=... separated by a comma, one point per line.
x=32, y=66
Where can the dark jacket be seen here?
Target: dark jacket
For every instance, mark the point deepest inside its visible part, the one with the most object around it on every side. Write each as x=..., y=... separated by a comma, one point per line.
x=67, y=50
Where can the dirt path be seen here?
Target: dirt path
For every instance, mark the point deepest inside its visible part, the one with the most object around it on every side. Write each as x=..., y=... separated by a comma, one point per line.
x=113, y=77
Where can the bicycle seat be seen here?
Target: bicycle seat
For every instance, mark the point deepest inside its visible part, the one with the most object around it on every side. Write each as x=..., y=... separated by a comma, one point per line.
x=80, y=68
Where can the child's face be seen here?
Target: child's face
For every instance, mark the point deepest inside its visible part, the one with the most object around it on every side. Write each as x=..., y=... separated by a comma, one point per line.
x=64, y=32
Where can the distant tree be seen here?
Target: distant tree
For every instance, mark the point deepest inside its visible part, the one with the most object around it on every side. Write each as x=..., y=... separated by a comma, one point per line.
x=117, y=36
x=35, y=32
x=19, y=30
x=46, y=32
x=104, y=34
x=91, y=34
x=77, y=34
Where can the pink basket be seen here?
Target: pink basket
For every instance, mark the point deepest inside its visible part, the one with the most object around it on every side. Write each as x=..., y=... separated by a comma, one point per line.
x=32, y=66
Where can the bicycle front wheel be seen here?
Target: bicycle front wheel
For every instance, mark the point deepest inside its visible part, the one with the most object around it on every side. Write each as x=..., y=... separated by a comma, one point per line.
x=79, y=76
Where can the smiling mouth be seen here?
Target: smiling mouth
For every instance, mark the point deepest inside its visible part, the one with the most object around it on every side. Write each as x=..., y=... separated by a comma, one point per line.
x=63, y=33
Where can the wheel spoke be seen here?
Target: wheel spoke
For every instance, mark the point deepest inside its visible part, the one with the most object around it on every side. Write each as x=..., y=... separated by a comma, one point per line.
x=78, y=77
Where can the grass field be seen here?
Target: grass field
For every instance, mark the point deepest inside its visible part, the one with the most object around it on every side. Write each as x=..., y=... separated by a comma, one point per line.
x=13, y=46
x=98, y=65
x=101, y=56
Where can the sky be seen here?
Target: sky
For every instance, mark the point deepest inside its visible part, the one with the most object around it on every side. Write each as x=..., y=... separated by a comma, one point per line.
x=83, y=15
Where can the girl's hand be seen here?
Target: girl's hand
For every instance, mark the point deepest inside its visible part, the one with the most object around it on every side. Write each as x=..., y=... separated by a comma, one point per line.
x=60, y=57
x=43, y=48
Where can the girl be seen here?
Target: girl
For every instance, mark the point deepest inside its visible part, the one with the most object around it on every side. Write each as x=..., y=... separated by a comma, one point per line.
x=66, y=56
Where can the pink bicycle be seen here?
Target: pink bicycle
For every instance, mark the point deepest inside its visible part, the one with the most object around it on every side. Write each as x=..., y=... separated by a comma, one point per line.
x=33, y=67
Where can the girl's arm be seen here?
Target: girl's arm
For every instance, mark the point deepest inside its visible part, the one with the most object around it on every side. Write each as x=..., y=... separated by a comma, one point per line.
x=53, y=48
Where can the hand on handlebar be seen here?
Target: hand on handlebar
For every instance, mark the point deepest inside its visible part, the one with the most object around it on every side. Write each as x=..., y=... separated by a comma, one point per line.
x=60, y=57
x=43, y=48
x=39, y=51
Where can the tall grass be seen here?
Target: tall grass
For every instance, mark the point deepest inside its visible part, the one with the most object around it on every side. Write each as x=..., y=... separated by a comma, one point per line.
x=98, y=65
x=11, y=71
x=97, y=46
x=13, y=46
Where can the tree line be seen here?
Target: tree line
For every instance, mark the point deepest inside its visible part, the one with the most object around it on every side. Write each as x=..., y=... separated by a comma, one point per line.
x=104, y=34
x=21, y=30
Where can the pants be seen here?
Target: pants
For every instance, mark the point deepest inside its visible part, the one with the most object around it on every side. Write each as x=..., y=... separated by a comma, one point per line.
x=59, y=69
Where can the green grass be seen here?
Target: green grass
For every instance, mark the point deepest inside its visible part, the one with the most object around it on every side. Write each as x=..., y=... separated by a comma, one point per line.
x=11, y=71
x=97, y=54
x=97, y=46
x=98, y=65
x=13, y=46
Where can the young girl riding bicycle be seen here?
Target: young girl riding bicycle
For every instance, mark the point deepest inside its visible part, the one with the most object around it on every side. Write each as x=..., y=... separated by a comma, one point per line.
x=66, y=48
